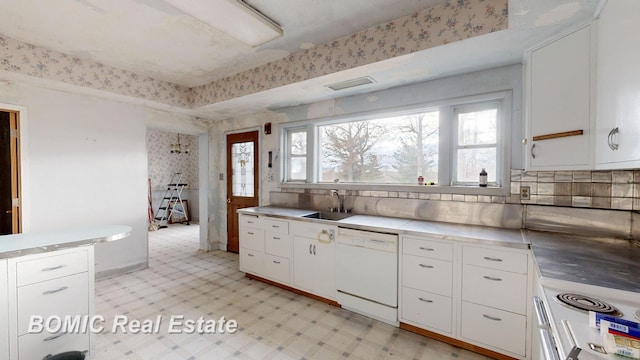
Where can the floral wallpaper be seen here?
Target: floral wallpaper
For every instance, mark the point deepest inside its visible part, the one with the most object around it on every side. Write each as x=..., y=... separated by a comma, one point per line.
x=163, y=164
x=444, y=23
x=439, y=25
x=16, y=56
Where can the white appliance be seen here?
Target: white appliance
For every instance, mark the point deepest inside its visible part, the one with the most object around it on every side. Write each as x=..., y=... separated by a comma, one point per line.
x=367, y=273
x=564, y=331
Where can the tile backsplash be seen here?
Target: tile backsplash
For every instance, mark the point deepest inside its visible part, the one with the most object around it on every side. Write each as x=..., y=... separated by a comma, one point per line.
x=610, y=189
x=602, y=189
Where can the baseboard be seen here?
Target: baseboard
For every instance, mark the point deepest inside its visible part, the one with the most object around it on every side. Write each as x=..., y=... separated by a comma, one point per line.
x=123, y=270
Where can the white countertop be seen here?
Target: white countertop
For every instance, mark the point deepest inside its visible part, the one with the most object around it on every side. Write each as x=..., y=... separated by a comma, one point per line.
x=466, y=233
x=38, y=242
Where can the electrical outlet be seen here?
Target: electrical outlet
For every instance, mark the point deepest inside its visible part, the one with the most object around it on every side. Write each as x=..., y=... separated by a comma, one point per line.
x=525, y=192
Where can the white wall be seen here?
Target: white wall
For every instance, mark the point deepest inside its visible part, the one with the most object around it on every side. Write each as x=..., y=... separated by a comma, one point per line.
x=85, y=165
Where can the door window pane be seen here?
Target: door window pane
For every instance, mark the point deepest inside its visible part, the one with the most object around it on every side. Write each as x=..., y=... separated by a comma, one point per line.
x=242, y=169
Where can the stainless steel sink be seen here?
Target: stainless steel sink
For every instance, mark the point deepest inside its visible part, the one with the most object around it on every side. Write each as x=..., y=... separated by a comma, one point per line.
x=325, y=215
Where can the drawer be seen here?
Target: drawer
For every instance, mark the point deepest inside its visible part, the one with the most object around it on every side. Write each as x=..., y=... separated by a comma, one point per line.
x=277, y=268
x=314, y=230
x=427, y=309
x=278, y=244
x=495, y=259
x=64, y=296
x=251, y=261
x=430, y=275
x=50, y=266
x=427, y=248
x=250, y=221
x=276, y=226
x=252, y=239
x=500, y=289
x=37, y=346
x=496, y=328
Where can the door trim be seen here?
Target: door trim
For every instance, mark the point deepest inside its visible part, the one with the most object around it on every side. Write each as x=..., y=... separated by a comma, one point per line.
x=23, y=163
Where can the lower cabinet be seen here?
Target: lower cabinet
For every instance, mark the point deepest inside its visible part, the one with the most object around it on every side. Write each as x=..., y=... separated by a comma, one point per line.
x=56, y=284
x=314, y=258
x=473, y=293
x=4, y=314
x=265, y=247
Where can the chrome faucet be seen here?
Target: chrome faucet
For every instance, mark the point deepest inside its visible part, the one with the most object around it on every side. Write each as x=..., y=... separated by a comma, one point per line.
x=340, y=207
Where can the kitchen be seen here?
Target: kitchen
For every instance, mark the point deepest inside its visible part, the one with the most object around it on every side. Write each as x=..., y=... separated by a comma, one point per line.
x=90, y=144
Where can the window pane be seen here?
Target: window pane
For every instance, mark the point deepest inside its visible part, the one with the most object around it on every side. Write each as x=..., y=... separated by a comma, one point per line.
x=392, y=150
x=471, y=162
x=242, y=169
x=298, y=168
x=298, y=143
x=477, y=127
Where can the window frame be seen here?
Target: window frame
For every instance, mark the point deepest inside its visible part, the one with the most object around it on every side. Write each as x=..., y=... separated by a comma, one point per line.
x=446, y=151
x=455, y=139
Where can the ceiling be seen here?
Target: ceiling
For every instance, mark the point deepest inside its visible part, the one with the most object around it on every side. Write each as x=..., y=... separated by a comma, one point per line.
x=153, y=38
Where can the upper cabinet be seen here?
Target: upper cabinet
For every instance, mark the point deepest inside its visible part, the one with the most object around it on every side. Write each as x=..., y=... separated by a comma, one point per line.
x=559, y=102
x=618, y=86
x=582, y=95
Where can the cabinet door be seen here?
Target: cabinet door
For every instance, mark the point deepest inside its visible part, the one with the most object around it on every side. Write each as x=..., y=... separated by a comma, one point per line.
x=303, y=263
x=618, y=78
x=559, y=100
x=314, y=266
x=4, y=315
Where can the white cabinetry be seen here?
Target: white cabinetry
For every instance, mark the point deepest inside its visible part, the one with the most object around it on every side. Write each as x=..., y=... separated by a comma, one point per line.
x=494, y=298
x=618, y=92
x=427, y=284
x=314, y=258
x=265, y=248
x=4, y=312
x=59, y=283
x=559, y=100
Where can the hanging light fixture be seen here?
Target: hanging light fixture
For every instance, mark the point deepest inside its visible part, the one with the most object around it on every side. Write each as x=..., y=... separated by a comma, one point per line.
x=178, y=148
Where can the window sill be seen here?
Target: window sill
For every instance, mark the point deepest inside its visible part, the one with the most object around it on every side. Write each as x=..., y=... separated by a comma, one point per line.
x=434, y=189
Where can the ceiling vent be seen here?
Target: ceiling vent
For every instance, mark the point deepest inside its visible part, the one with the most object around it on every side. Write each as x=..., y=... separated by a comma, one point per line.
x=351, y=83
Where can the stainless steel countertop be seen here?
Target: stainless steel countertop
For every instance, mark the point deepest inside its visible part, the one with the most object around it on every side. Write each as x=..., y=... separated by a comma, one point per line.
x=608, y=263
x=465, y=233
x=39, y=242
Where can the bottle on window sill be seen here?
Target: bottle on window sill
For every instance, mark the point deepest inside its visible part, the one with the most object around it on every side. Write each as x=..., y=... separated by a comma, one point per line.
x=483, y=178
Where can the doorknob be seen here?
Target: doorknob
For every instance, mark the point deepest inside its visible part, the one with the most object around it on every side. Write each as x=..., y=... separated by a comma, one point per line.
x=9, y=211
x=229, y=201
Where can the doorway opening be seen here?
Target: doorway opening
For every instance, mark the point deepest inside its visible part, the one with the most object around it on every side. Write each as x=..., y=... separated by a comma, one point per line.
x=10, y=191
x=170, y=153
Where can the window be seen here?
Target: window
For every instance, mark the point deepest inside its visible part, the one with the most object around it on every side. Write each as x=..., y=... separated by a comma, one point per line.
x=393, y=150
x=297, y=154
x=447, y=143
x=476, y=142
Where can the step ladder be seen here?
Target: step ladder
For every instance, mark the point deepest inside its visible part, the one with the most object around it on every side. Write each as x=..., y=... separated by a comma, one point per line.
x=172, y=203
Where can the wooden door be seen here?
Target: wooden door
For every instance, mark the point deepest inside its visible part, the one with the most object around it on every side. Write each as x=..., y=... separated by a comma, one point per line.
x=10, y=222
x=242, y=181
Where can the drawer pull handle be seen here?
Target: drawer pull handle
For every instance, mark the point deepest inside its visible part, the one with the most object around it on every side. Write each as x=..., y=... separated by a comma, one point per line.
x=491, y=317
x=53, y=268
x=275, y=226
x=276, y=262
x=493, y=259
x=276, y=238
x=250, y=233
x=426, y=249
x=492, y=278
x=250, y=255
x=249, y=222
x=53, y=337
x=49, y=292
x=426, y=266
x=425, y=300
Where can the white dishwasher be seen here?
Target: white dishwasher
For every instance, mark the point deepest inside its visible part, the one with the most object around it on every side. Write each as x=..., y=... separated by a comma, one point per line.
x=367, y=273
